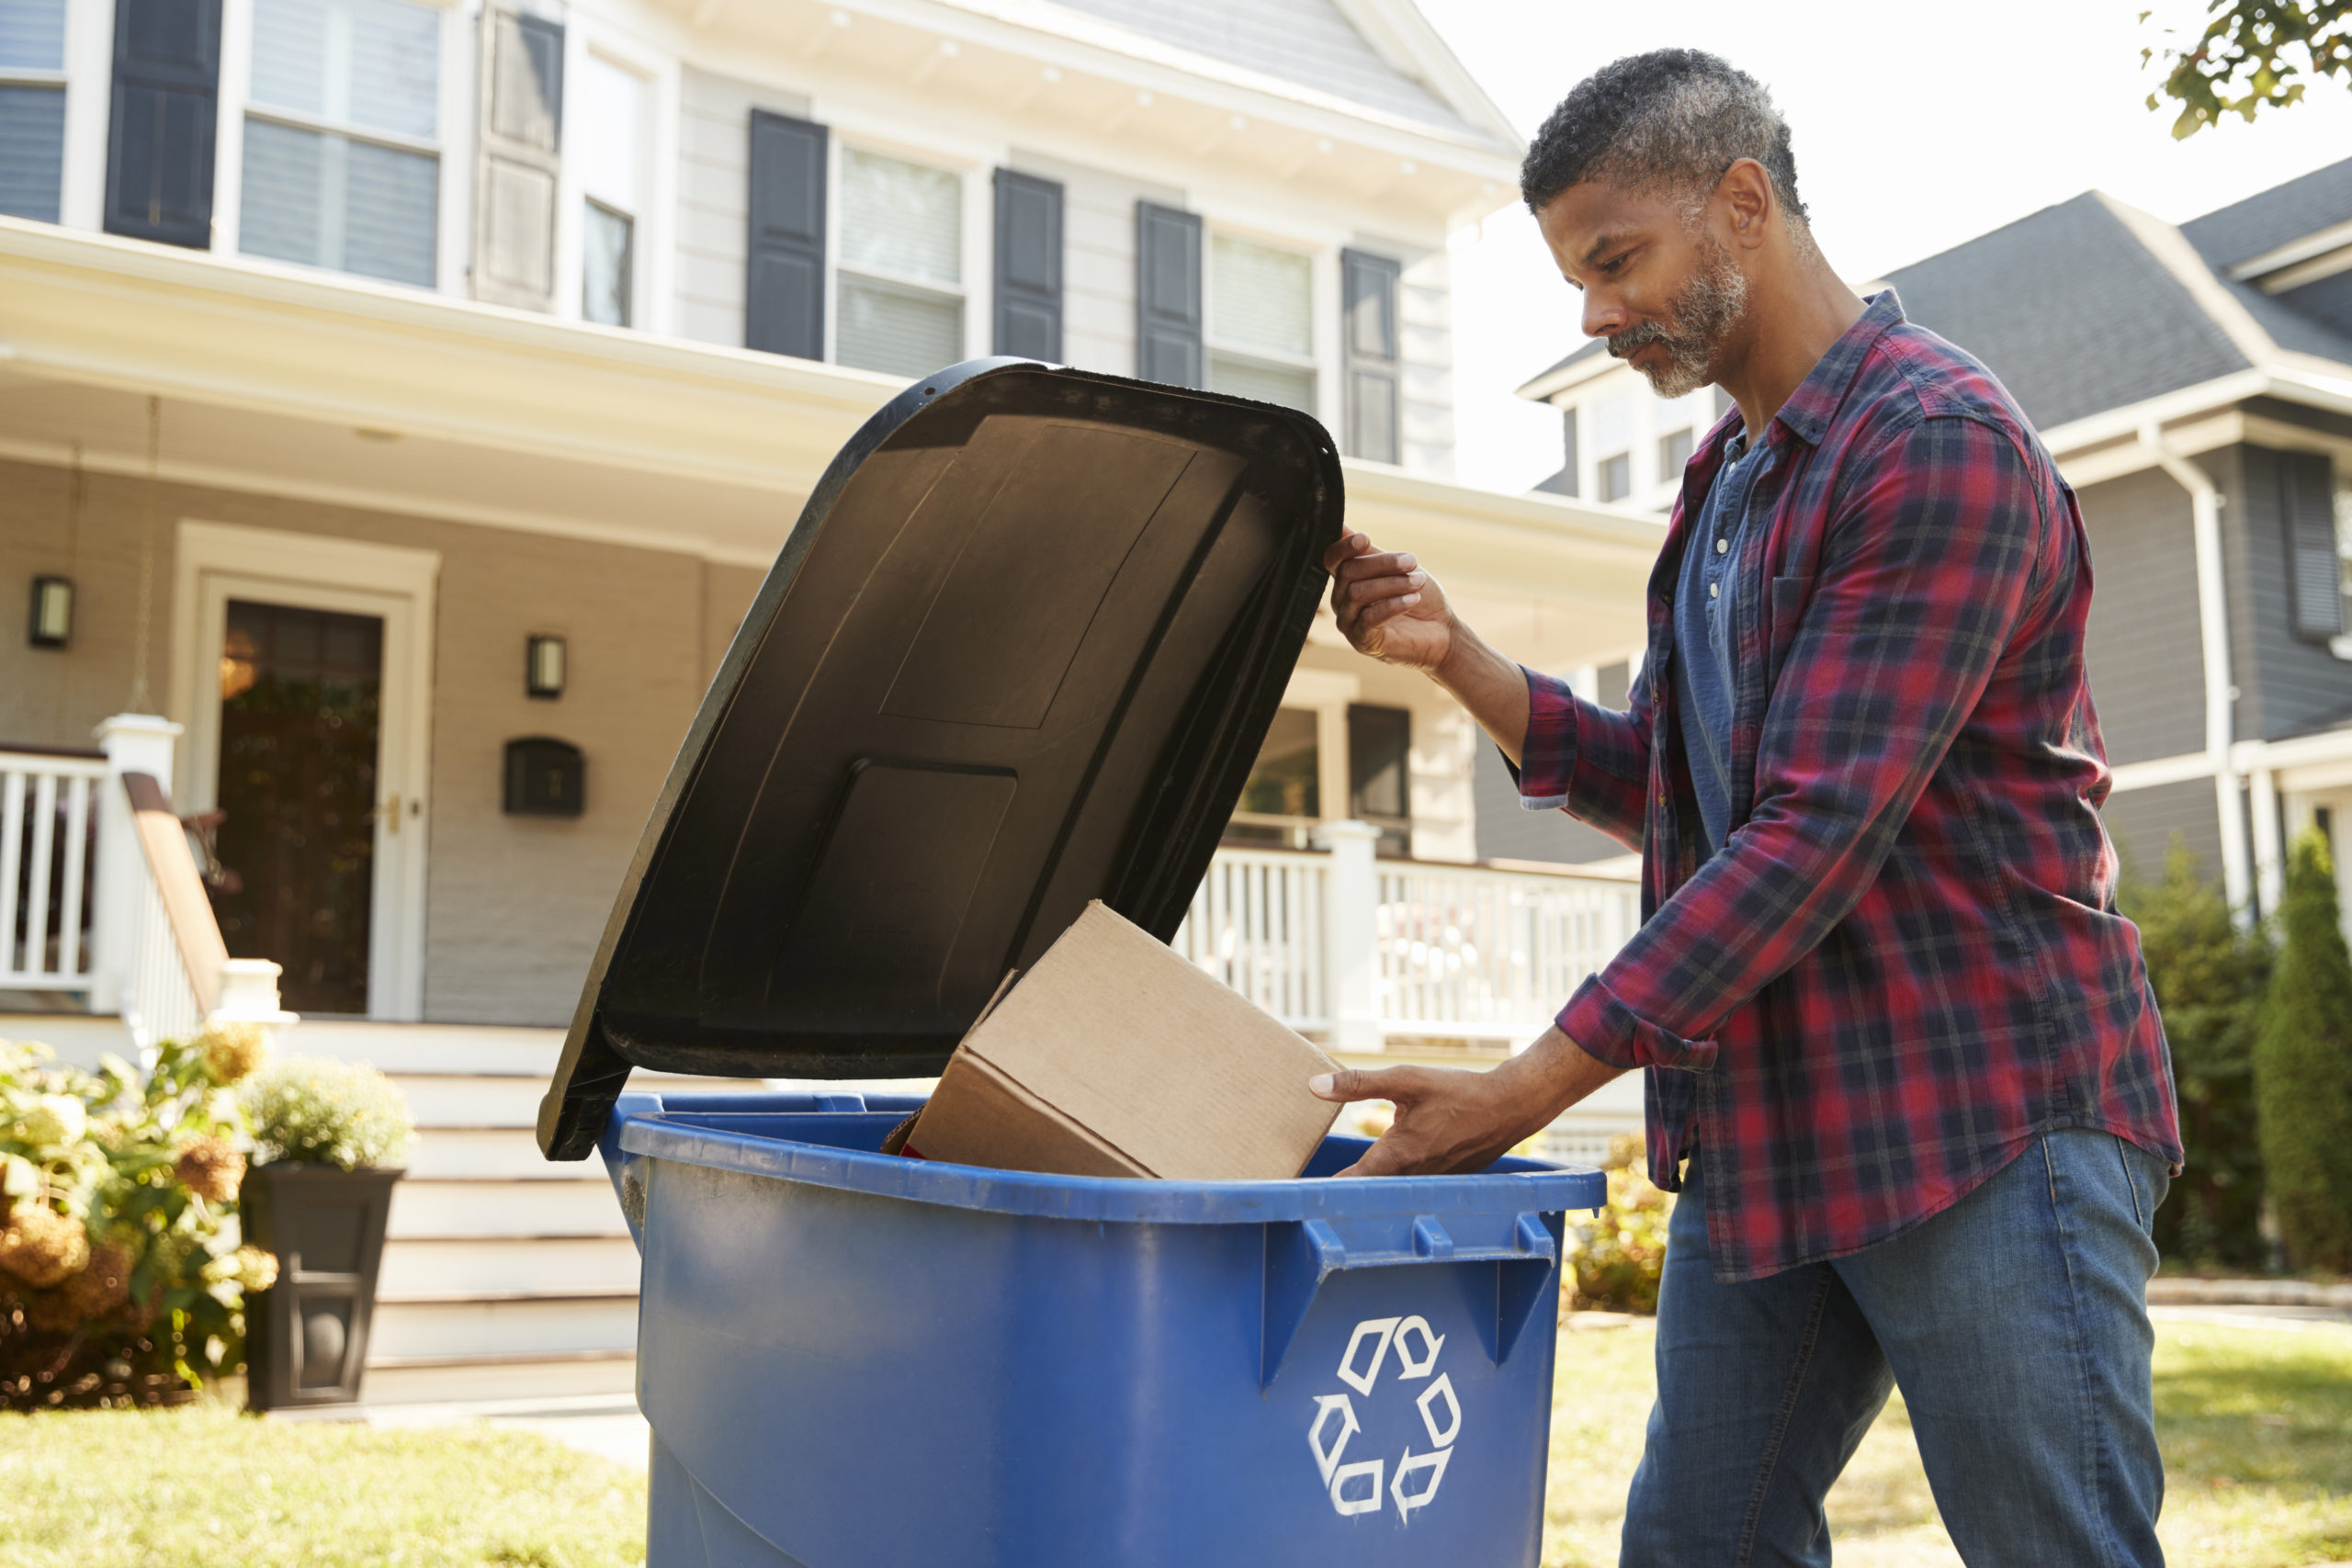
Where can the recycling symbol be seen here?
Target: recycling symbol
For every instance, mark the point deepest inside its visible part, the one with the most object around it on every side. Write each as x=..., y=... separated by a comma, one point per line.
x=1355, y=1485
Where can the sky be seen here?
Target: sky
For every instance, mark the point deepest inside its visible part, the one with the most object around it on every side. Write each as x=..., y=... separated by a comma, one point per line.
x=1917, y=127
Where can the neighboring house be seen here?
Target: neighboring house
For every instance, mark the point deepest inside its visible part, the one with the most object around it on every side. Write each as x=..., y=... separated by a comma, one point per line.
x=2195, y=384
x=400, y=399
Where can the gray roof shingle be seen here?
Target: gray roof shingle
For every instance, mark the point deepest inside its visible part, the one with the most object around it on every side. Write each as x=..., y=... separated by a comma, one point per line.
x=2267, y=220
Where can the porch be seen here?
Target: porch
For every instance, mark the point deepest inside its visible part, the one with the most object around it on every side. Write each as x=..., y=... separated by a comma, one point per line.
x=506, y=1275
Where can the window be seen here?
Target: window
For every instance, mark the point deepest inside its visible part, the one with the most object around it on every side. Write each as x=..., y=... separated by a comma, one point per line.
x=1673, y=451
x=32, y=106
x=1368, y=286
x=1616, y=476
x=1283, y=799
x=1380, y=752
x=901, y=297
x=606, y=144
x=342, y=161
x=1612, y=440
x=1260, y=323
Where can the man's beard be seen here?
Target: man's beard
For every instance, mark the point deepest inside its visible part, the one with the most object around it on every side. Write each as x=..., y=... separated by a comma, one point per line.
x=1710, y=305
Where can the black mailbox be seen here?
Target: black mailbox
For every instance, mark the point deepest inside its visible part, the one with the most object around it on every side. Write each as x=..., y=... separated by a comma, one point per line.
x=545, y=777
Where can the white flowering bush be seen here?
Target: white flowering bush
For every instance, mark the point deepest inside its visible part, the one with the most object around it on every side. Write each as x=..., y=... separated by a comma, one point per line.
x=312, y=1110
x=123, y=1278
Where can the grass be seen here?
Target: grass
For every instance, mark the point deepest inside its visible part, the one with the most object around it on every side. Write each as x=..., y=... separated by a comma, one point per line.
x=204, y=1488
x=2255, y=1425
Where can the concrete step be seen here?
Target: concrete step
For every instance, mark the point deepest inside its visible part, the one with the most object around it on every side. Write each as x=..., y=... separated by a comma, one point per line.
x=527, y=1327
x=438, y=1268
x=450, y=1101
x=506, y=1208
x=429, y=1379
x=431, y=1047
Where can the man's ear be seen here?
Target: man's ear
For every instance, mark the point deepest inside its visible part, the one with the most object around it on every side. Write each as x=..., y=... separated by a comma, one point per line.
x=1746, y=196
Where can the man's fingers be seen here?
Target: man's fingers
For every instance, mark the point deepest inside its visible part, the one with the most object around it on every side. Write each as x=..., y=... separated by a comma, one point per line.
x=1397, y=1083
x=1368, y=567
x=1350, y=543
x=1385, y=1157
x=1372, y=589
x=1387, y=610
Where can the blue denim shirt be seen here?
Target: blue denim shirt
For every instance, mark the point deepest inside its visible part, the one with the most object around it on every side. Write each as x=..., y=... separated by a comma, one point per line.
x=1705, y=635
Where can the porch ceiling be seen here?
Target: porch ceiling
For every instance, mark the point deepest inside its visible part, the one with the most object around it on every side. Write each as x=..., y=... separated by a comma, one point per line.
x=336, y=390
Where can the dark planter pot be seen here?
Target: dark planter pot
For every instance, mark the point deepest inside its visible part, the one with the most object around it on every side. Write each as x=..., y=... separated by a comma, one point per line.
x=306, y=1339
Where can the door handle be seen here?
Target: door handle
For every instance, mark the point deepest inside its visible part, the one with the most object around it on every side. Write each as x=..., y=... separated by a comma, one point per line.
x=389, y=814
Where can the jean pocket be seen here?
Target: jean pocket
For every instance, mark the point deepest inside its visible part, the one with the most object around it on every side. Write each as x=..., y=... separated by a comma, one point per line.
x=2147, y=1181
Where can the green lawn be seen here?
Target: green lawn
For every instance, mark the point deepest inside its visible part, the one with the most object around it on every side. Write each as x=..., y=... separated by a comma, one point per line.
x=2256, y=1427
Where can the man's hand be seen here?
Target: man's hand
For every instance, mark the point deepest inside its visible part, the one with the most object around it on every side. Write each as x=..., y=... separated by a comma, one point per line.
x=1388, y=606
x=1450, y=1121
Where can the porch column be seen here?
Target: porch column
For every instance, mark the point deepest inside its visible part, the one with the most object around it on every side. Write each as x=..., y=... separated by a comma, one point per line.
x=2269, y=844
x=134, y=743
x=1352, y=934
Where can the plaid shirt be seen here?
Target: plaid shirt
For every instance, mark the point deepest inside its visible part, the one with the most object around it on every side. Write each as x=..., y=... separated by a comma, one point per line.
x=1906, y=962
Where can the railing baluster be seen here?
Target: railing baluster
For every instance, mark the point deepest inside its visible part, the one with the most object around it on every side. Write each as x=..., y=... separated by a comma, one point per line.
x=37, y=892
x=77, y=855
x=12, y=833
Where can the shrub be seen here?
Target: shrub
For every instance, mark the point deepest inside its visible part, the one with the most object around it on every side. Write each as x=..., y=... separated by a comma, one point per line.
x=2209, y=978
x=121, y=1278
x=316, y=1112
x=1618, y=1251
x=2302, y=1069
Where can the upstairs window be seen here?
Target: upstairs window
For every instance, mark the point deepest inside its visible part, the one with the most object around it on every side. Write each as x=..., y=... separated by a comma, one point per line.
x=1673, y=452
x=1260, y=323
x=342, y=157
x=900, y=290
x=32, y=108
x=1612, y=440
x=610, y=116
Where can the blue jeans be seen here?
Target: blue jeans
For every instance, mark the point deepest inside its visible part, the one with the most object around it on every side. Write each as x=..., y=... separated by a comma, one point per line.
x=2015, y=1324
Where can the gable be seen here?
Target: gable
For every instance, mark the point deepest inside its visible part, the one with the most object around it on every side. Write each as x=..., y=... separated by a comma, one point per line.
x=1309, y=43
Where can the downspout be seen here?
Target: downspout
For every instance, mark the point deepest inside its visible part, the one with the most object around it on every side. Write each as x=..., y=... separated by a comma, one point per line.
x=2213, y=631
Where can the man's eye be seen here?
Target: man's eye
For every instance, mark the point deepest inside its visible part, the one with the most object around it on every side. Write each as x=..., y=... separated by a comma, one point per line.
x=1612, y=264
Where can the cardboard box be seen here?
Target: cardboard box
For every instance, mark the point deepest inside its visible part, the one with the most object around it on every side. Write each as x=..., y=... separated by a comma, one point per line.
x=1114, y=1056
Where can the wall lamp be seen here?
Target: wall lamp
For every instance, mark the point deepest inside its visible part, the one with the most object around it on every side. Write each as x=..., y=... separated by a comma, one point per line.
x=52, y=616
x=543, y=667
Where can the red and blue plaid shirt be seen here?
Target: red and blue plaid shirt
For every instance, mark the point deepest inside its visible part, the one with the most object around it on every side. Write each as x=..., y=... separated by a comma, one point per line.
x=1904, y=964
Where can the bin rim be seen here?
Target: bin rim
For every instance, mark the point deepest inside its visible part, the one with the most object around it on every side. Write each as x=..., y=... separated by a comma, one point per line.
x=1529, y=1186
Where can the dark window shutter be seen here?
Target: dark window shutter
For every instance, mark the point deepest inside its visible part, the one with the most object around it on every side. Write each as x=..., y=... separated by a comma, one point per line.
x=521, y=136
x=785, y=277
x=1368, y=343
x=166, y=112
x=1028, y=267
x=2307, y=502
x=1568, y=468
x=1168, y=296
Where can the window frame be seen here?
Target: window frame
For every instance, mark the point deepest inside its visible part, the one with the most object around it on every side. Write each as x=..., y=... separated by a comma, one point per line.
x=975, y=210
x=1322, y=383
x=1600, y=490
x=238, y=105
x=582, y=45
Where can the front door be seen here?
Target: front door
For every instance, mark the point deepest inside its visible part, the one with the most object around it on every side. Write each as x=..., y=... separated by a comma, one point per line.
x=302, y=701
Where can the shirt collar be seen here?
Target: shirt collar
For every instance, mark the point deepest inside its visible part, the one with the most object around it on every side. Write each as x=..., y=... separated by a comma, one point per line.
x=1807, y=412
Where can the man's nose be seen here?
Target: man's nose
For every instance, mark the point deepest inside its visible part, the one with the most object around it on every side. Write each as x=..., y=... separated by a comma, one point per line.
x=1602, y=315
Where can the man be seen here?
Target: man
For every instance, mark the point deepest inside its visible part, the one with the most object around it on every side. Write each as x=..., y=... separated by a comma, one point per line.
x=1902, y=1058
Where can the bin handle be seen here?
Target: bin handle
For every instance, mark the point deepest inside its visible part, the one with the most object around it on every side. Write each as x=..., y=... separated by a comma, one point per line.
x=1301, y=1254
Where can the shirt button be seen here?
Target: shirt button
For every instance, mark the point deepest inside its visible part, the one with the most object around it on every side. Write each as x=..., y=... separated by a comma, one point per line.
x=1711, y=590
x=1722, y=544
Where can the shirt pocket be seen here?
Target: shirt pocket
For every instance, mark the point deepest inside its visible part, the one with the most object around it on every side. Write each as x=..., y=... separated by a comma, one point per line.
x=1788, y=597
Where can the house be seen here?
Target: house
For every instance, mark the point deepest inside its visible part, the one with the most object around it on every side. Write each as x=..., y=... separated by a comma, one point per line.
x=399, y=403
x=2195, y=385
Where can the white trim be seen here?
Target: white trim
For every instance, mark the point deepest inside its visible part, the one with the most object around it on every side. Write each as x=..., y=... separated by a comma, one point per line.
x=234, y=86
x=216, y=562
x=89, y=102
x=2268, y=271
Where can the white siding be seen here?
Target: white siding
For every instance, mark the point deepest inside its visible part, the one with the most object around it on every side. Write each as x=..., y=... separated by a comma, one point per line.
x=1098, y=259
x=1425, y=318
x=713, y=199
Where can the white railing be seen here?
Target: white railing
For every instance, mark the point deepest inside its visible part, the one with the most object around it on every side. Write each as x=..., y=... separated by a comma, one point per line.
x=1257, y=924
x=1354, y=951
x=47, y=830
x=1469, y=952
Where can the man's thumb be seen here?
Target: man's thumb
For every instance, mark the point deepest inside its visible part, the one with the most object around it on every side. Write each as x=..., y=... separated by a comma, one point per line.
x=1350, y=1083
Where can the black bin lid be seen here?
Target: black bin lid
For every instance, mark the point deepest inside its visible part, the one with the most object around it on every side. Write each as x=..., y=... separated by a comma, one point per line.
x=1017, y=653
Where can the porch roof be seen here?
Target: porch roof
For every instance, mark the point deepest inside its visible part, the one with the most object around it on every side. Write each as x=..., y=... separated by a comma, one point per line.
x=323, y=386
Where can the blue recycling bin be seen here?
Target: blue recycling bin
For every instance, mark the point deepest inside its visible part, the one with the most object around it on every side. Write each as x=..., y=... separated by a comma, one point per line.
x=1020, y=652
x=851, y=1359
